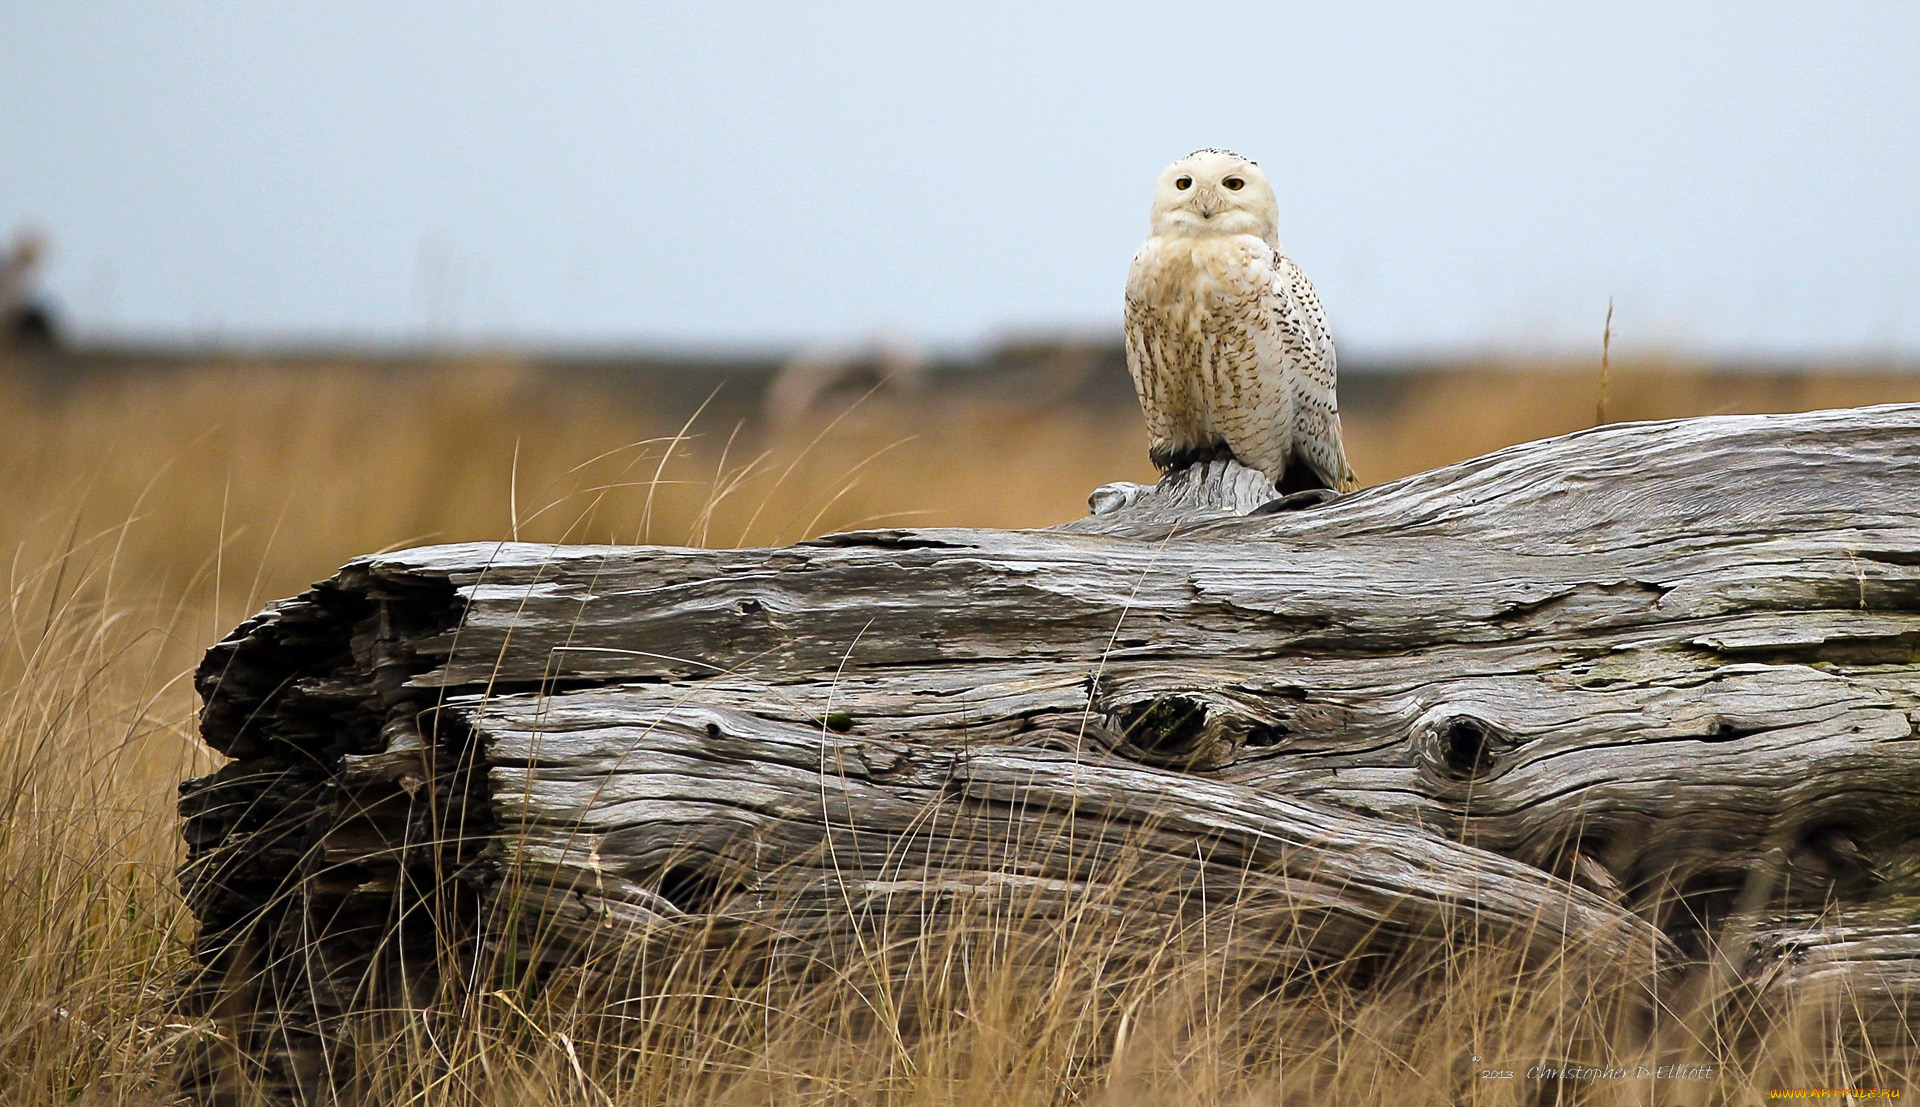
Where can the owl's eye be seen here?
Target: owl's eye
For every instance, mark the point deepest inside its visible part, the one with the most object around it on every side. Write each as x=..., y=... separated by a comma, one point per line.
x=1183, y=183
x=1234, y=184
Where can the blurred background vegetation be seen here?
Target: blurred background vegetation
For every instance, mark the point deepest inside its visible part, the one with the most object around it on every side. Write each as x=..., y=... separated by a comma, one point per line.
x=238, y=478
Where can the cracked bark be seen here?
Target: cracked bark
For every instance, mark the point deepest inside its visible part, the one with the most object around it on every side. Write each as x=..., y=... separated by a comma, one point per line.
x=1648, y=691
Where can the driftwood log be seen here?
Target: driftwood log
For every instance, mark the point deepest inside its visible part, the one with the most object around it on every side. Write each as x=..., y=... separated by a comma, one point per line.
x=1648, y=691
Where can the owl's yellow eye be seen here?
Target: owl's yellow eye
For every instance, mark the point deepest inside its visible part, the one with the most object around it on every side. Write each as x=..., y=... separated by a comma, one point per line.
x=1234, y=184
x=1183, y=183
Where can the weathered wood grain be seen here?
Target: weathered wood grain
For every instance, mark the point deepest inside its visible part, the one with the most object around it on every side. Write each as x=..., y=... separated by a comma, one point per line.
x=612, y=796
x=1619, y=687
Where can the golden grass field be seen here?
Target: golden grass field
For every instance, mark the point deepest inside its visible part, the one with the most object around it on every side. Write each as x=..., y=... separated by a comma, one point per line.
x=143, y=516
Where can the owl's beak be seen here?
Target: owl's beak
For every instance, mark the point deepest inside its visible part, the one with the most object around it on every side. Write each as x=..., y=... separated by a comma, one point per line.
x=1207, y=203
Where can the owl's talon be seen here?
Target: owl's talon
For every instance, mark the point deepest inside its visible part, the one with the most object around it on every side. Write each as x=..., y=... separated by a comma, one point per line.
x=1174, y=459
x=1297, y=501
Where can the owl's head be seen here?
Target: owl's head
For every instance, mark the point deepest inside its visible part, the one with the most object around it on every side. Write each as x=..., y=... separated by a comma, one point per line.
x=1211, y=192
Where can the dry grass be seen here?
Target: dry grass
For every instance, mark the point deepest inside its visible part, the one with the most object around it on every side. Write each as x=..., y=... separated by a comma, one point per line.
x=143, y=518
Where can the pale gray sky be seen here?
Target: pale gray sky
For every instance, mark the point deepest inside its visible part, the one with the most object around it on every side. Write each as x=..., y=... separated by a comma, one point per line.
x=1739, y=177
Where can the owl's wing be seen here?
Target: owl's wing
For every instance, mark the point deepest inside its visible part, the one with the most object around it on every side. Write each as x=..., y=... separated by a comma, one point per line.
x=1156, y=380
x=1299, y=330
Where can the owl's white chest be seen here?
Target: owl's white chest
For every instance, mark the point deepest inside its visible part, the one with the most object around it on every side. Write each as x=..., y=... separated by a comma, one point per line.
x=1194, y=284
x=1197, y=347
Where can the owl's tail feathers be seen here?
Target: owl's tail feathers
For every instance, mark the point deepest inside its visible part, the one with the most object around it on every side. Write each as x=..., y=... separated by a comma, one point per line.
x=1308, y=469
x=1319, y=461
x=1304, y=484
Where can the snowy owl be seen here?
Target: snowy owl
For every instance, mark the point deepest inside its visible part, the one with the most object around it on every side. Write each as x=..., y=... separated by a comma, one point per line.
x=1226, y=340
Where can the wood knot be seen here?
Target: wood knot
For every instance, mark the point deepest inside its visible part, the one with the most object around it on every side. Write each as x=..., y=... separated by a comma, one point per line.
x=1459, y=744
x=1178, y=730
x=1834, y=851
x=694, y=888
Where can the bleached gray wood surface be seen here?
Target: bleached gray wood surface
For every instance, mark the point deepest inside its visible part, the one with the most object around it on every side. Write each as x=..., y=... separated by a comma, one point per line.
x=1633, y=691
